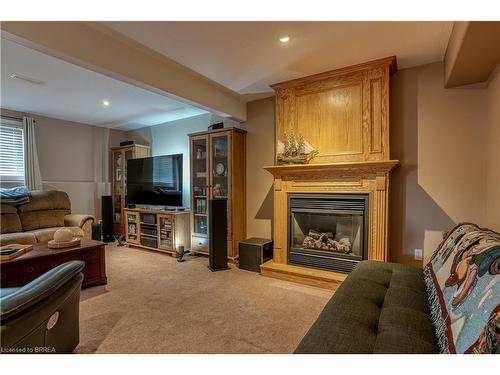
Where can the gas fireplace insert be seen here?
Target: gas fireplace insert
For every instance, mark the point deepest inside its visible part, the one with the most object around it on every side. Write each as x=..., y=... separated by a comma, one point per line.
x=327, y=231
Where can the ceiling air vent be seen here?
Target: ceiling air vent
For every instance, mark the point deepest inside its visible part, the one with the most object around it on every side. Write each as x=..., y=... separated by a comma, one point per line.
x=26, y=79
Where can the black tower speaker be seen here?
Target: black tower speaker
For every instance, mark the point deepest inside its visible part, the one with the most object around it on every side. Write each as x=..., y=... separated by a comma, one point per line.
x=107, y=218
x=217, y=243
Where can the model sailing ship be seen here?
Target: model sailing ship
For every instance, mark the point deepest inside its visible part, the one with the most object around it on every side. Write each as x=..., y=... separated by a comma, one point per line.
x=294, y=150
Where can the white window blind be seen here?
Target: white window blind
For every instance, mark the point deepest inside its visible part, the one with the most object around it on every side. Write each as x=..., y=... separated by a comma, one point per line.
x=11, y=151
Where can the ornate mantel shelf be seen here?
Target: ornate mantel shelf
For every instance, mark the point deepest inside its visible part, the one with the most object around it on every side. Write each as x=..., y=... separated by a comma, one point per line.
x=347, y=169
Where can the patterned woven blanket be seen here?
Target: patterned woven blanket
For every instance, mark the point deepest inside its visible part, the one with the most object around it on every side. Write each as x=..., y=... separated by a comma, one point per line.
x=463, y=287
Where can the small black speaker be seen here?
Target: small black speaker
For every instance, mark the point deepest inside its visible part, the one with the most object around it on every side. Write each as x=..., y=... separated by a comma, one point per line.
x=107, y=218
x=254, y=252
x=216, y=126
x=217, y=242
x=97, y=231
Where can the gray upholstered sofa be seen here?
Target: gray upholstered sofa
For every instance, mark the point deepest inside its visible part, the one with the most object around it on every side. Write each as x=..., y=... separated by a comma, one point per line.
x=380, y=308
x=38, y=220
x=43, y=315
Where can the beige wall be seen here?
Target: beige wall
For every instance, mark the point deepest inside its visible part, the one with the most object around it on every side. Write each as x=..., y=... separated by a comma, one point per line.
x=260, y=152
x=74, y=157
x=64, y=150
x=66, y=162
x=438, y=136
x=116, y=136
x=492, y=191
x=451, y=139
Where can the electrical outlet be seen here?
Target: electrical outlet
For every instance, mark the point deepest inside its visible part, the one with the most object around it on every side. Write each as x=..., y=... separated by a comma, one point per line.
x=419, y=254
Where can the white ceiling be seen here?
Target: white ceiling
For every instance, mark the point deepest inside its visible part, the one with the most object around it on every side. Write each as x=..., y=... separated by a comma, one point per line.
x=72, y=93
x=247, y=56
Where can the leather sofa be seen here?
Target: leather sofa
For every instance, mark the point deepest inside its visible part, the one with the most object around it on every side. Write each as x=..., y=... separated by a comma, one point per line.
x=43, y=315
x=380, y=308
x=38, y=220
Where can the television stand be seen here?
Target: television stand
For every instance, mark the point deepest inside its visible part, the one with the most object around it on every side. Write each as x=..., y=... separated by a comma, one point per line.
x=154, y=229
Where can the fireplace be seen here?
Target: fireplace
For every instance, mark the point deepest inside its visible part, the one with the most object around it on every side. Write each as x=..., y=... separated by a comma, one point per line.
x=333, y=211
x=328, y=231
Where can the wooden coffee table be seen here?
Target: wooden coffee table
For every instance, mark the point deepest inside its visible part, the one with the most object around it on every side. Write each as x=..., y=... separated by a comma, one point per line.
x=21, y=270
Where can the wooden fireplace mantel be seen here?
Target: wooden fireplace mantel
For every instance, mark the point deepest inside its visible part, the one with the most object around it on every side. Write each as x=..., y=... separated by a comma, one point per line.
x=363, y=168
x=370, y=178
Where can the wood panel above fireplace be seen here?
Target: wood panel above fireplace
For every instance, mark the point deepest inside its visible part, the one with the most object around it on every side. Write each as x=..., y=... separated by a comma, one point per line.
x=343, y=113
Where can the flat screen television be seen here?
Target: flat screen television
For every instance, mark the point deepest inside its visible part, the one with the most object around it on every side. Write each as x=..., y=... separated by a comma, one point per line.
x=155, y=181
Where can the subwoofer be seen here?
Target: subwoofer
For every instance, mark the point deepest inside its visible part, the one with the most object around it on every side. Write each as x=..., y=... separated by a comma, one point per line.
x=107, y=218
x=217, y=241
x=254, y=252
x=97, y=231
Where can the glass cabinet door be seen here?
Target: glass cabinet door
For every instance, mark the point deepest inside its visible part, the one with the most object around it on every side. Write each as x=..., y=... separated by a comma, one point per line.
x=200, y=192
x=132, y=230
x=117, y=185
x=219, y=165
x=166, y=232
x=128, y=154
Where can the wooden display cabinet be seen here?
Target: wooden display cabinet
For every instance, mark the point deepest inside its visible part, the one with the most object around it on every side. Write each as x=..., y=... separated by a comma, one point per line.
x=218, y=171
x=119, y=157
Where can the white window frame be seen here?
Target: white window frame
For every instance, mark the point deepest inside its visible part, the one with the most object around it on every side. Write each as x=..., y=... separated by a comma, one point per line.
x=15, y=124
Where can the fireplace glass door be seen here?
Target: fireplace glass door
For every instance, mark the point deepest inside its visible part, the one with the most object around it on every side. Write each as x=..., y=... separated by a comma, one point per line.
x=327, y=230
x=330, y=232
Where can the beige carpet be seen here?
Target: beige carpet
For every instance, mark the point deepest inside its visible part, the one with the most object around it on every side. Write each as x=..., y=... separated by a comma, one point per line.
x=154, y=304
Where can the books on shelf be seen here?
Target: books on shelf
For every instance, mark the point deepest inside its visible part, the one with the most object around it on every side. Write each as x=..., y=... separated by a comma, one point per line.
x=201, y=205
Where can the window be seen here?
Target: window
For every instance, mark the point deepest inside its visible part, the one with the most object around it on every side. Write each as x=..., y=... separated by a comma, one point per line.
x=11, y=150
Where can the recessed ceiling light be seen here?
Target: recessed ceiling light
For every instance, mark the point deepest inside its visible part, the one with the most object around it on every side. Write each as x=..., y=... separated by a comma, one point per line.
x=284, y=38
x=105, y=103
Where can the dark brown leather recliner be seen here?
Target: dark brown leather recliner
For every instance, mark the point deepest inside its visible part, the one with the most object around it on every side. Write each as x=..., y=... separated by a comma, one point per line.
x=43, y=315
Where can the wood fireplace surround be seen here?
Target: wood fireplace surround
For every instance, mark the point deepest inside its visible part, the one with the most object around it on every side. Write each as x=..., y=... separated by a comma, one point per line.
x=344, y=114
